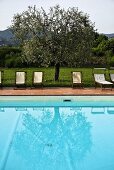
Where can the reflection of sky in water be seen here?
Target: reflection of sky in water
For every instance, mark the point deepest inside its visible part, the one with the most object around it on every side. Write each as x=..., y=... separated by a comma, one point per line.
x=57, y=138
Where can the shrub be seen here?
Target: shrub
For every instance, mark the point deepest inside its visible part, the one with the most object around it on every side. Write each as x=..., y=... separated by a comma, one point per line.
x=13, y=60
x=8, y=52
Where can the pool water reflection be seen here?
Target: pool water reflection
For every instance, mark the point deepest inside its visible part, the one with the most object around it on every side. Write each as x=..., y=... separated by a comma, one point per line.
x=57, y=138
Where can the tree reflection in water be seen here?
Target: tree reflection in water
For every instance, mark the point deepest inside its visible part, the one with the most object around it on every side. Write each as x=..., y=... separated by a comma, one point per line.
x=53, y=138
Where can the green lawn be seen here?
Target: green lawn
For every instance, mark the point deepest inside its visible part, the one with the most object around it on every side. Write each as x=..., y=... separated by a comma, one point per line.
x=64, y=79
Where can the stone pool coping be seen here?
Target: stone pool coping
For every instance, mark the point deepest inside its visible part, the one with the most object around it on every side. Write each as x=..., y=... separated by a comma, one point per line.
x=56, y=91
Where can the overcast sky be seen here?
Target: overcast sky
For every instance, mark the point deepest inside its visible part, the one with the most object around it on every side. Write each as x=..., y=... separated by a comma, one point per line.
x=100, y=11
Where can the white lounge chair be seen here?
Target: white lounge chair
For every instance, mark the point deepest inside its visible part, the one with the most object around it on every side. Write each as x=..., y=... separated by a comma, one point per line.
x=20, y=78
x=112, y=77
x=1, y=78
x=76, y=78
x=38, y=78
x=111, y=74
x=100, y=79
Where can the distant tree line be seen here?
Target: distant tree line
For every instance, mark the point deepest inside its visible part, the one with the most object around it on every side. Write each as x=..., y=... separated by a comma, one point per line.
x=103, y=51
x=102, y=54
x=57, y=38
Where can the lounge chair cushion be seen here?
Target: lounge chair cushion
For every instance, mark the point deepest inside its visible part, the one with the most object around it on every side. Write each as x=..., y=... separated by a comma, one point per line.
x=106, y=82
x=38, y=77
x=76, y=77
x=112, y=77
x=100, y=78
x=0, y=77
x=20, y=78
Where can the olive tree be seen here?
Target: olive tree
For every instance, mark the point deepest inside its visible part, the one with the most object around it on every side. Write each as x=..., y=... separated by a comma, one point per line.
x=63, y=36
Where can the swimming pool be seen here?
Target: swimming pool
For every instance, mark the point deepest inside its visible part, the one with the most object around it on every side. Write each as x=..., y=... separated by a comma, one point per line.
x=56, y=133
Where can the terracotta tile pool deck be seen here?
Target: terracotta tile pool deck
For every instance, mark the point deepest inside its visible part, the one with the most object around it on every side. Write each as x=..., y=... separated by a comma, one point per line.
x=56, y=91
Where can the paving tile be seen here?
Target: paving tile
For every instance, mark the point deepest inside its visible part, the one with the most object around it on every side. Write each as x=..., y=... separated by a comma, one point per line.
x=57, y=91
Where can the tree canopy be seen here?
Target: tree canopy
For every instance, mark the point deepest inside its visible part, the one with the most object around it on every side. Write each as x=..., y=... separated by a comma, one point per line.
x=59, y=36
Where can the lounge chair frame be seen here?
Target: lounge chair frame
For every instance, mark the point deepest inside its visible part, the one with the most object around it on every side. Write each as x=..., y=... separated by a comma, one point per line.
x=2, y=75
x=98, y=83
x=21, y=85
x=37, y=84
x=77, y=84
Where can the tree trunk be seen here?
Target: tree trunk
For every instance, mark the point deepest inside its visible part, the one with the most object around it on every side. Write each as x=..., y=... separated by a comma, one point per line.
x=57, y=69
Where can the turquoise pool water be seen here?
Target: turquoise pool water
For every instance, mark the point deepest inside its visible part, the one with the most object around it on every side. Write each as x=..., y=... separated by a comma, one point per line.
x=57, y=133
